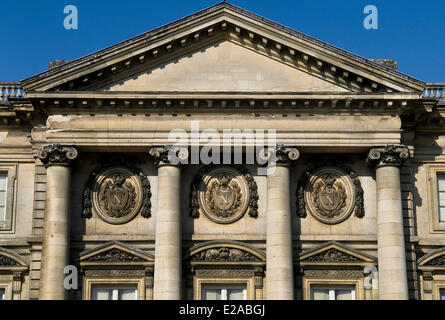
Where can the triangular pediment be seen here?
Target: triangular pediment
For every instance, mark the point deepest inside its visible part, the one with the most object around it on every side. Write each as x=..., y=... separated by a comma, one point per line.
x=224, y=67
x=335, y=253
x=222, y=48
x=115, y=252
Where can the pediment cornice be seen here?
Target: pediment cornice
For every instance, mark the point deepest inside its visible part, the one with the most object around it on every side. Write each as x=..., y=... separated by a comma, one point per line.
x=223, y=22
x=335, y=253
x=434, y=260
x=115, y=253
x=395, y=103
x=11, y=261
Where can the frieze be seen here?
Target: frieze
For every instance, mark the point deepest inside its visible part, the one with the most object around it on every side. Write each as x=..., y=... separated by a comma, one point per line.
x=114, y=255
x=330, y=190
x=332, y=255
x=224, y=254
x=223, y=193
x=118, y=190
x=333, y=274
x=113, y=273
x=220, y=273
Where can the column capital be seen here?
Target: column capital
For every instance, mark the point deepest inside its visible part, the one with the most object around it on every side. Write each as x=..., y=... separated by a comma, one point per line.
x=56, y=154
x=169, y=155
x=387, y=155
x=284, y=155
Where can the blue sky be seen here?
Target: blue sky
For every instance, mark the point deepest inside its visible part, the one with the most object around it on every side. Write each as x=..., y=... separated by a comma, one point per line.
x=411, y=32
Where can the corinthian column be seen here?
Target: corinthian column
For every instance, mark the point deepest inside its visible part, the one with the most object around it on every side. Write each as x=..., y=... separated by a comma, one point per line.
x=168, y=247
x=56, y=236
x=393, y=282
x=279, y=263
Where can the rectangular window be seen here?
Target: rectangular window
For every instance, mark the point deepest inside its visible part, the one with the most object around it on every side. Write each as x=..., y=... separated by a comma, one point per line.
x=442, y=294
x=114, y=292
x=223, y=292
x=332, y=293
x=3, y=189
x=2, y=294
x=441, y=196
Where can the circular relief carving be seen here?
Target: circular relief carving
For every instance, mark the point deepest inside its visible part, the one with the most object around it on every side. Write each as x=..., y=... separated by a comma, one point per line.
x=117, y=195
x=223, y=195
x=329, y=195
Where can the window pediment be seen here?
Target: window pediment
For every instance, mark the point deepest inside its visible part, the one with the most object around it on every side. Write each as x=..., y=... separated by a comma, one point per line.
x=433, y=260
x=334, y=253
x=225, y=252
x=114, y=253
x=9, y=260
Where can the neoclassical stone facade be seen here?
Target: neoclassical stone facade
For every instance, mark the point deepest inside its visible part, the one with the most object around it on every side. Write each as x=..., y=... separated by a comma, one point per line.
x=110, y=164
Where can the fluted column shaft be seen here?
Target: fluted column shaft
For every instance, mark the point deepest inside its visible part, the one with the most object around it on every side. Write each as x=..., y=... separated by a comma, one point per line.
x=56, y=235
x=168, y=247
x=279, y=263
x=393, y=282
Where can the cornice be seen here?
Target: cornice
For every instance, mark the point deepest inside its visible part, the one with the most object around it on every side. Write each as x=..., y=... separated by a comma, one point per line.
x=237, y=25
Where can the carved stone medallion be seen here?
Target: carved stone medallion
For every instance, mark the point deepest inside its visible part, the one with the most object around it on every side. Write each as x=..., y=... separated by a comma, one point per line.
x=117, y=195
x=329, y=195
x=224, y=195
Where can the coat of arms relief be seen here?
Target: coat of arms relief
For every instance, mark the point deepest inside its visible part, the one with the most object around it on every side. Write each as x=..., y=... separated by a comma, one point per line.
x=115, y=192
x=330, y=191
x=223, y=194
x=329, y=196
x=117, y=195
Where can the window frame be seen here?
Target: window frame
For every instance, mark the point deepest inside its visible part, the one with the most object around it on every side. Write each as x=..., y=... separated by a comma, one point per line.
x=225, y=287
x=439, y=286
x=6, y=226
x=115, y=289
x=8, y=290
x=356, y=284
x=248, y=283
x=331, y=289
x=433, y=171
x=90, y=282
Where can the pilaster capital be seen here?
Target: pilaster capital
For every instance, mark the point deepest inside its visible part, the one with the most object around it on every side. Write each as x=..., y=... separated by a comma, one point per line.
x=284, y=155
x=56, y=154
x=169, y=155
x=388, y=155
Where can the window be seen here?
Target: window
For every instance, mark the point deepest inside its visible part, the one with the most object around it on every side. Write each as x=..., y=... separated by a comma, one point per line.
x=114, y=292
x=2, y=294
x=332, y=293
x=441, y=196
x=3, y=189
x=223, y=292
x=442, y=294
